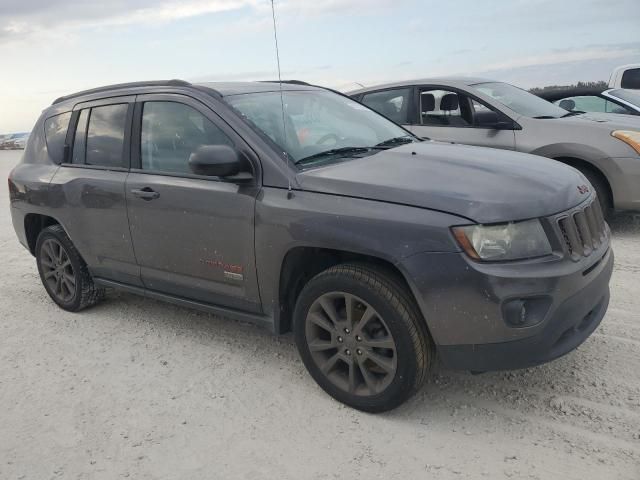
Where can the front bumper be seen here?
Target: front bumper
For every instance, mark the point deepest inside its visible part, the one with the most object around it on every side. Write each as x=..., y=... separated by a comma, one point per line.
x=570, y=325
x=463, y=305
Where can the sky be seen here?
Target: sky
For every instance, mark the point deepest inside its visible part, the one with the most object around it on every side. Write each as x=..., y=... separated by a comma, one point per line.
x=54, y=47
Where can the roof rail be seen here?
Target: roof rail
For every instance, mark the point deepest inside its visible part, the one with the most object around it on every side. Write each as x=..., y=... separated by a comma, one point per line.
x=291, y=82
x=155, y=83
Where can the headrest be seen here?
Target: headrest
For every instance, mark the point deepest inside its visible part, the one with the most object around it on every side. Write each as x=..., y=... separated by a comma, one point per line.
x=428, y=102
x=567, y=104
x=449, y=102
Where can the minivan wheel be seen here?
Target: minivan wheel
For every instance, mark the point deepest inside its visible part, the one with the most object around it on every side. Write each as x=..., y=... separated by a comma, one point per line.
x=63, y=272
x=361, y=337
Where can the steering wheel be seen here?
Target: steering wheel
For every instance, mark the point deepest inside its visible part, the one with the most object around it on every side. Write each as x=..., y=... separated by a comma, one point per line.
x=329, y=136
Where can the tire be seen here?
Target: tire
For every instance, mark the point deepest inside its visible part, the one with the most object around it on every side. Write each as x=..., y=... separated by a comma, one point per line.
x=374, y=360
x=602, y=190
x=63, y=272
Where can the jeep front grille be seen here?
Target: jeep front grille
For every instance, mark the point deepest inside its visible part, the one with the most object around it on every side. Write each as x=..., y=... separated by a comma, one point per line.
x=583, y=229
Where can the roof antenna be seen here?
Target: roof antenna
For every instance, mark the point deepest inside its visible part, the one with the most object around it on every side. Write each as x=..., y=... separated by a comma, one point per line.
x=284, y=124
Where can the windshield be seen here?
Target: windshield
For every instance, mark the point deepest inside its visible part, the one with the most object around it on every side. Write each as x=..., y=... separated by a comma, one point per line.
x=520, y=101
x=317, y=122
x=630, y=96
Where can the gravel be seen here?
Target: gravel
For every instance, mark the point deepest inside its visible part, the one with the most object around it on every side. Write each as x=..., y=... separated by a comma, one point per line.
x=134, y=388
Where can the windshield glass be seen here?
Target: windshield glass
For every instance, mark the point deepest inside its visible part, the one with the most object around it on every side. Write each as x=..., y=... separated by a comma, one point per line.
x=316, y=121
x=520, y=101
x=631, y=96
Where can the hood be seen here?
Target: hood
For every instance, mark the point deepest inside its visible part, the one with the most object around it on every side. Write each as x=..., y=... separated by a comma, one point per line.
x=482, y=184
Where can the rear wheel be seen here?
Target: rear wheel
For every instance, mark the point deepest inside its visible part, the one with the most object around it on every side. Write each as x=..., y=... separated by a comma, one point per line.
x=63, y=272
x=361, y=337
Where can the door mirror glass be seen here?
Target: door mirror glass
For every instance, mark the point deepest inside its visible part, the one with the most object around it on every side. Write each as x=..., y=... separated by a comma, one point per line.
x=215, y=161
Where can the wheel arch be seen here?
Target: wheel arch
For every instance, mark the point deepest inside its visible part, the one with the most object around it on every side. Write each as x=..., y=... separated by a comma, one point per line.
x=582, y=165
x=301, y=263
x=34, y=223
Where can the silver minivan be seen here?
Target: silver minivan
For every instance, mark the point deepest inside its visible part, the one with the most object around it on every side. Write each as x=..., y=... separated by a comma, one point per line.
x=474, y=111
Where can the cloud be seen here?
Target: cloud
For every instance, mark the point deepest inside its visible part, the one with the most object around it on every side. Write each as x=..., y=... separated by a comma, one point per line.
x=591, y=63
x=558, y=56
x=19, y=20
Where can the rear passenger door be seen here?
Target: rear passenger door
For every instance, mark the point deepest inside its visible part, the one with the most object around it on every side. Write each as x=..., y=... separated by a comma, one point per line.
x=450, y=115
x=88, y=188
x=193, y=235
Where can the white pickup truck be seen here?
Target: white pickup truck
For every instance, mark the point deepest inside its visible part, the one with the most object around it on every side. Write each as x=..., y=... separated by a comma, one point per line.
x=626, y=76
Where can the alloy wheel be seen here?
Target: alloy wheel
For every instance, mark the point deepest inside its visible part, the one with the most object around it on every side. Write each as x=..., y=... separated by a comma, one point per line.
x=57, y=270
x=351, y=344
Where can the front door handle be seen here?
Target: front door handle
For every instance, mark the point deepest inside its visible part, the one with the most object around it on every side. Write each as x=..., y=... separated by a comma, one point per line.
x=145, y=193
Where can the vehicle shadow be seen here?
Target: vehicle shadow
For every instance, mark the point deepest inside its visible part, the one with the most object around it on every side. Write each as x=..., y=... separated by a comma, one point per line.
x=445, y=393
x=625, y=223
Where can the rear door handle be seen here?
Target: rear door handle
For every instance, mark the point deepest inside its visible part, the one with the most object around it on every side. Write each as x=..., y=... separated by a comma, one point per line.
x=145, y=193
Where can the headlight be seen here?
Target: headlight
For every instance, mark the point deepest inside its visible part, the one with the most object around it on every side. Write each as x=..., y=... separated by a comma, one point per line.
x=507, y=241
x=629, y=137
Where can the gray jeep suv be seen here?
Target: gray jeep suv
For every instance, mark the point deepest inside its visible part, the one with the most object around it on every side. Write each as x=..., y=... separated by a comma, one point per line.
x=305, y=211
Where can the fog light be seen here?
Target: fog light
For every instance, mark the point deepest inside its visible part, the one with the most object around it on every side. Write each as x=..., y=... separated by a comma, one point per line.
x=525, y=312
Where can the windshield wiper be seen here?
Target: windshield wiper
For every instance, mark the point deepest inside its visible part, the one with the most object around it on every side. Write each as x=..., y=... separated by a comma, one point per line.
x=545, y=117
x=395, y=141
x=333, y=151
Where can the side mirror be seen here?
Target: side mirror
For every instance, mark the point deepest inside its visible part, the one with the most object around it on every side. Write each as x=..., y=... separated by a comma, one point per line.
x=491, y=119
x=216, y=161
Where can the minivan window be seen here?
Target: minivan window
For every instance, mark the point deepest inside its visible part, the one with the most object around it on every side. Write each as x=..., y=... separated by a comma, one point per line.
x=520, y=101
x=80, y=138
x=393, y=104
x=630, y=96
x=171, y=132
x=105, y=135
x=55, y=134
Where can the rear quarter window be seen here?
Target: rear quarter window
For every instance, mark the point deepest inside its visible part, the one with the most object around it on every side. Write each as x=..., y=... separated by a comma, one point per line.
x=55, y=133
x=631, y=79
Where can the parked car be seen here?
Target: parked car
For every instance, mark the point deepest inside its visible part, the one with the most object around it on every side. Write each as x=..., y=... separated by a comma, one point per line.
x=495, y=114
x=6, y=141
x=595, y=100
x=626, y=76
x=301, y=209
x=16, y=141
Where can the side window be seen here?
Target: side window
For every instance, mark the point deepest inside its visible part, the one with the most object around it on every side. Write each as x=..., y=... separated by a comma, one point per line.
x=611, y=107
x=583, y=103
x=80, y=138
x=393, y=104
x=55, y=133
x=631, y=78
x=105, y=135
x=444, y=108
x=171, y=132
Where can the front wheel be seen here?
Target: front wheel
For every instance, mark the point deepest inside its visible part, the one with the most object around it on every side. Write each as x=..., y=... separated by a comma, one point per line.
x=602, y=191
x=361, y=337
